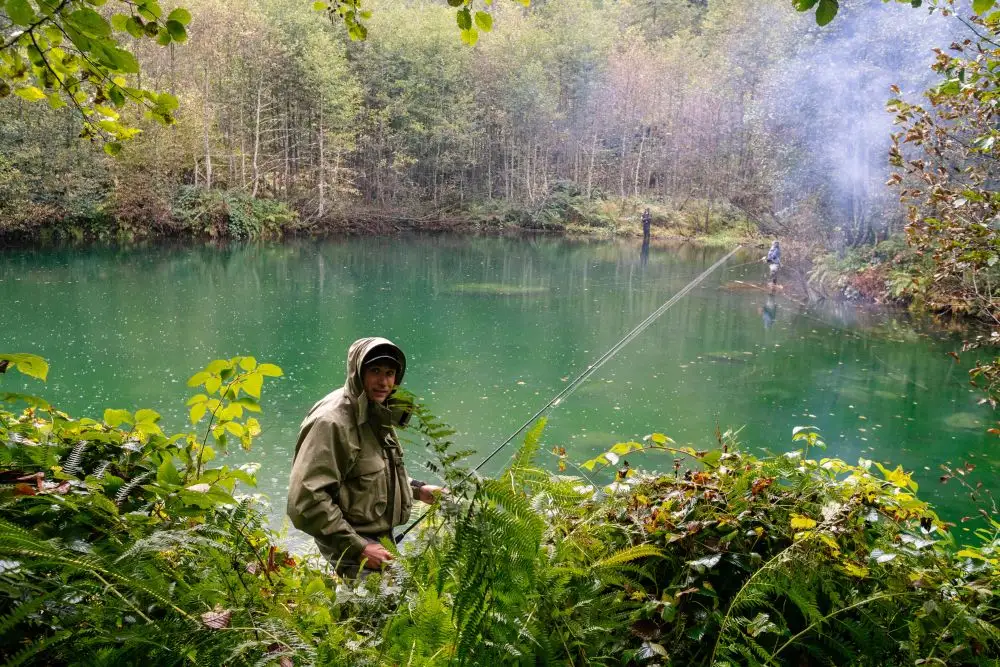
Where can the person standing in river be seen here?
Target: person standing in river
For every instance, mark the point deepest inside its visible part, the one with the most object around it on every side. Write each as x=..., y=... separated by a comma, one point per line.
x=647, y=220
x=348, y=488
x=773, y=259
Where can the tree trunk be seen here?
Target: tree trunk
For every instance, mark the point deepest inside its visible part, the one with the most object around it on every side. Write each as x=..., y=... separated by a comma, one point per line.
x=207, y=120
x=322, y=165
x=638, y=163
x=256, y=140
x=590, y=170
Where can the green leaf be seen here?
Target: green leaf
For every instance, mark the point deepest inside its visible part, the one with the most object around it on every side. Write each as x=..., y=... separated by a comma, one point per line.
x=124, y=60
x=177, y=31
x=235, y=428
x=464, y=18
x=112, y=148
x=33, y=401
x=253, y=384
x=115, y=418
x=198, y=378
x=219, y=365
x=270, y=370
x=31, y=93
x=147, y=415
x=117, y=96
x=163, y=37
x=148, y=428
x=20, y=12
x=826, y=11
x=982, y=6
x=484, y=21
x=167, y=473
x=89, y=23
x=180, y=15
x=150, y=10
x=470, y=36
x=804, y=5
x=320, y=6
x=197, y=412
x=120, y=22
x=212, y=384
x=134, y=27
x=456, y=3
x=248, y=363
x=249, y=404
x=31, y=365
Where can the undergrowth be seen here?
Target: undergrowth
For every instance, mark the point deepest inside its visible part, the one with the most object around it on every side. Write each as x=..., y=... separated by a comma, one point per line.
x=120, y=544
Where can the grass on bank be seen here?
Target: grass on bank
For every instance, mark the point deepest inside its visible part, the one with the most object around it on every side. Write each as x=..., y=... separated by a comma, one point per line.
x=192, y=212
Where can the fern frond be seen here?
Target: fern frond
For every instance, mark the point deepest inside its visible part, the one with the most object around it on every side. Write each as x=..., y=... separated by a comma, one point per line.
x=21, y=612
x=628, y=555
x=72, y=462
x=30, y=651
x=526, y=454
x=124, y=492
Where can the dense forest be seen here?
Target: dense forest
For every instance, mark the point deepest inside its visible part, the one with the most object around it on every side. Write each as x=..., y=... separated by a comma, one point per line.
x=713, y=112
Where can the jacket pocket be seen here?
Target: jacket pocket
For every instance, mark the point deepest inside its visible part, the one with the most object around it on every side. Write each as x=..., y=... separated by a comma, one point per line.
x=365, y=491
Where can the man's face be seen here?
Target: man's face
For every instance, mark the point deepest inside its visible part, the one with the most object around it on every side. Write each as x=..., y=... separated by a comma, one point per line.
x=379, y=380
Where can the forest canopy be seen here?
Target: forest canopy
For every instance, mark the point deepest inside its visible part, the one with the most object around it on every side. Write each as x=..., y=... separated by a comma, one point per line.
x=694, y=104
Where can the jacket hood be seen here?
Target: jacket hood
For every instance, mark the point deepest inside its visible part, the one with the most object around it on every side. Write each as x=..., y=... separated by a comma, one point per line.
x=355, y=357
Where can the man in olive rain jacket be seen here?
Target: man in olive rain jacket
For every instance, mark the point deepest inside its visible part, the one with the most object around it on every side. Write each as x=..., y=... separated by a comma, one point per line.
x=348, y=488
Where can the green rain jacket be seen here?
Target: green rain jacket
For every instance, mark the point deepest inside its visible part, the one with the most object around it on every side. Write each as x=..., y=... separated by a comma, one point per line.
x=348, y=482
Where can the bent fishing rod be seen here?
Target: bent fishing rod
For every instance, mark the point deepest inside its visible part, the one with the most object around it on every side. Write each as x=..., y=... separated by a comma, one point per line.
x=590, y=370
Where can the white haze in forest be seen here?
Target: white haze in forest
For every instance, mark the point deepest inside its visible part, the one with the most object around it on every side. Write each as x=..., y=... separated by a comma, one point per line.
x=830, y=104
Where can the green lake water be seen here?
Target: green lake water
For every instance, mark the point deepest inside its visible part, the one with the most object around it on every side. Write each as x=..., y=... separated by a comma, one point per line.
x=493, y=328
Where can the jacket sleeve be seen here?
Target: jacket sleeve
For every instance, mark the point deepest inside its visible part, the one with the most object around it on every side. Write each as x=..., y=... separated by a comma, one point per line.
x=321, y=459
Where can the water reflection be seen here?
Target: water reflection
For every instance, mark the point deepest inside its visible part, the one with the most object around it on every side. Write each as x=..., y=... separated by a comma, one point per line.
x=769, y=311
x=494, y=327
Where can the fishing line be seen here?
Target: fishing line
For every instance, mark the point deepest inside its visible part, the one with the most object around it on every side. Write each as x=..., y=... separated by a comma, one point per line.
x=590, y=370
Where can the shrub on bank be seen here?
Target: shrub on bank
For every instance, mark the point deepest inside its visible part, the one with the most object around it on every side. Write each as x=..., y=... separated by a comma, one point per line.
x=229, y=214
x=121, y=544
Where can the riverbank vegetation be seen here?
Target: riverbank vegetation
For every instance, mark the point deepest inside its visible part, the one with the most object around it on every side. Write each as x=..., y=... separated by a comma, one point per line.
x=122, y=543
x=548, y=122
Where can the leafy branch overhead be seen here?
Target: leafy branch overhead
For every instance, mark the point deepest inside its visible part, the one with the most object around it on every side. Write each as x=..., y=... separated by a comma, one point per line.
x=826, y=10
x=68, y=54
x=470, y=21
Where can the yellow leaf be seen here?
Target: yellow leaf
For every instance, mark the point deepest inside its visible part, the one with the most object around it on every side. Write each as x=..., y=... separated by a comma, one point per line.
x=830, y=542
x=896, y=477
x=802, y=522
x=197, y=412
x=859, y=571
x=270, y=370
x=30, y=93
x=252, y=384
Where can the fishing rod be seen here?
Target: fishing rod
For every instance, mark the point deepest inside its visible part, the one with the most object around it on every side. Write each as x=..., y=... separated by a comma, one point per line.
x=737, y=266
x=590, y=370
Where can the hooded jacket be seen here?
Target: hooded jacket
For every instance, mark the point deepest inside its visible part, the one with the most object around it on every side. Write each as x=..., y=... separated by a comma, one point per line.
x=774, y=254
x=348, y=481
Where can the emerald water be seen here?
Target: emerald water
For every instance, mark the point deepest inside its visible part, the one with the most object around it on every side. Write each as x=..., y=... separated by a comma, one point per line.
x=493, y=328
